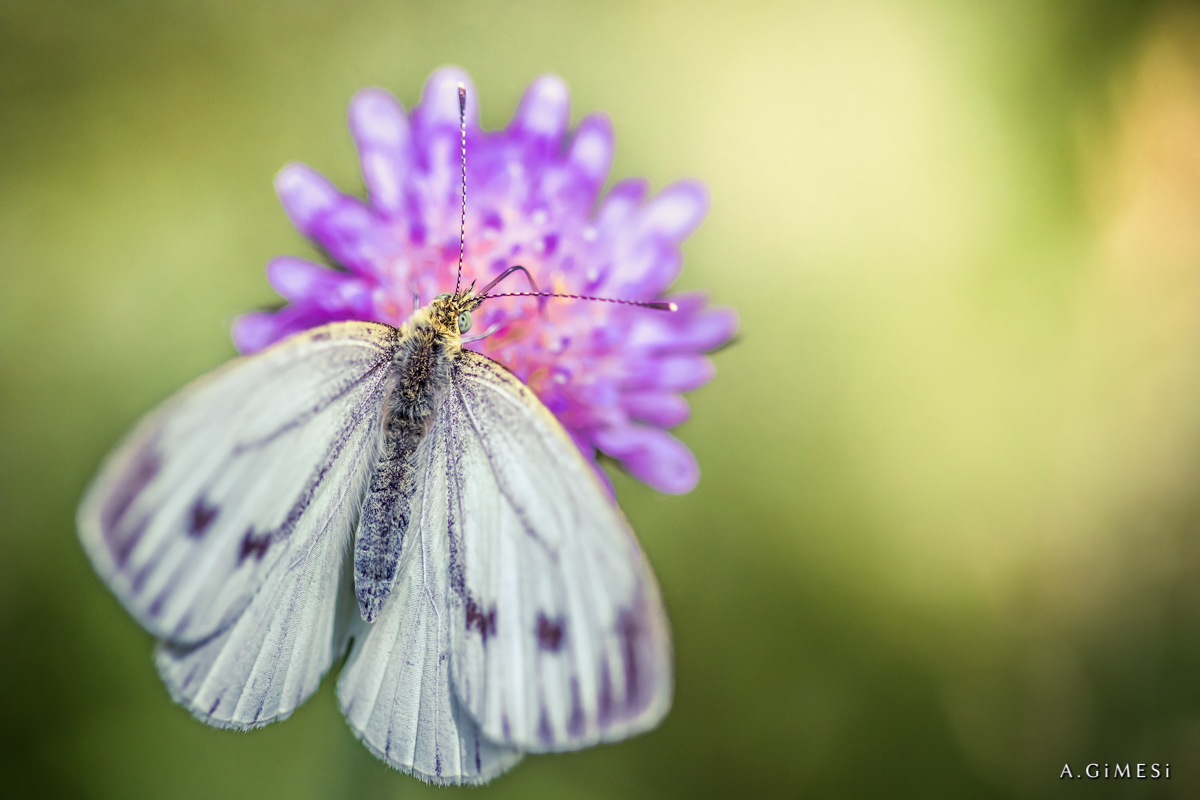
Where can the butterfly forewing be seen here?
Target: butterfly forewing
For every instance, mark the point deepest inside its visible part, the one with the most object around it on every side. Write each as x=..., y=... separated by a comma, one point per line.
x=559, y=635
x=231, y=477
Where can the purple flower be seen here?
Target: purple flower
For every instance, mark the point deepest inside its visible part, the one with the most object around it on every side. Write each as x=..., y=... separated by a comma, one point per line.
x=613, y=375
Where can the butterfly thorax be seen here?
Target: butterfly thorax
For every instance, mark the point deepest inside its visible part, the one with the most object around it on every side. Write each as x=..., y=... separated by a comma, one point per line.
x=420, y=369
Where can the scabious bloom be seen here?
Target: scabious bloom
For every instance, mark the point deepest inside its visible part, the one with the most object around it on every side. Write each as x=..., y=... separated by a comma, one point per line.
x=612, y=374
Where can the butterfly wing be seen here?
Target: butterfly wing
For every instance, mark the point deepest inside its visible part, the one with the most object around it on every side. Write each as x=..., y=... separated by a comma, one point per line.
x=559, y=636
x=395, y=689
x=272, y=658
x=238, y=477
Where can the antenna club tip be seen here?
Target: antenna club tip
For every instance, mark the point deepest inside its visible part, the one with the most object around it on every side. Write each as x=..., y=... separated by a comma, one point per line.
x=462, y=94
x=672, y=307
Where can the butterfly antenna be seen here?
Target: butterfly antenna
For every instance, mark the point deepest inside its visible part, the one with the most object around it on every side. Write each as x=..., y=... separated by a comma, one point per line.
x=657, y=305
x=462, y=223
x=517, y=268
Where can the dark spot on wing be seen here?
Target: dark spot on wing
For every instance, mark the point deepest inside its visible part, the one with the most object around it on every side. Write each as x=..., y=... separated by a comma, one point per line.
x=478, y=761
x=258, y=712
x=216, y=703
x=253, y=546
x=437, y=763
x=605, y=711
x=183, y=623
x=121, y=539
x=139, y=580
x=320, y=336
x=545, y=734
x=550, y=633
x=575, y=724
x=190, y=676
x=628, y=630
x=201, y=518
x=504, y=726
x=484, y=623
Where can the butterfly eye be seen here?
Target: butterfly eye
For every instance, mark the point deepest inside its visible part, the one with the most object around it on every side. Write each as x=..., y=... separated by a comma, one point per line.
x=464, y=322
x=441, y=296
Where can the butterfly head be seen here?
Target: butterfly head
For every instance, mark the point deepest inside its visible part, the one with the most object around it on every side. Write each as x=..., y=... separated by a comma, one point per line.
x=450, y=314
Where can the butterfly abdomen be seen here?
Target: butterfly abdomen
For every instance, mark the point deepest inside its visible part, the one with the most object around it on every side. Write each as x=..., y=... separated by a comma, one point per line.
x=420, y=374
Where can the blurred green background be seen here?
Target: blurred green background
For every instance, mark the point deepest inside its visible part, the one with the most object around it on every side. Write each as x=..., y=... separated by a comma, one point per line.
x=948, y=533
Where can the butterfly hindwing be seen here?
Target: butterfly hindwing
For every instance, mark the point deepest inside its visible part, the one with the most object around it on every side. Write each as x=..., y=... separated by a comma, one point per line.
x=395, y=689
x=559, y=636
x=271, y=659
x=236, y=477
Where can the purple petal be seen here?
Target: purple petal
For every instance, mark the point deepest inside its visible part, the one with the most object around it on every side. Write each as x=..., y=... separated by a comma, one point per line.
x=591, y=151
x=641, y=268
x=654, y=457
x=339, y=223
x=621, y=202
x=674, y=212
x=439, y=100
x=380, y=130
x=306, y=283
x=296, y=279
x=664, y=409
x=707, y=330
x=306, y=195
x=691, y=328
x=354, y=237
x=677, y=373
x=254, y=331
x=651, y=261
x=544, y=111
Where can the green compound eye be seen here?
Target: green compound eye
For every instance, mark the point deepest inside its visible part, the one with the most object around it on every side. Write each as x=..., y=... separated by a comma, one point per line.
x=442, y=296
x=464, y=322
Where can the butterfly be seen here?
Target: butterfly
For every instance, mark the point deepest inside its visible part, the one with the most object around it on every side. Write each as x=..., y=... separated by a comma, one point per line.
x=387, y=493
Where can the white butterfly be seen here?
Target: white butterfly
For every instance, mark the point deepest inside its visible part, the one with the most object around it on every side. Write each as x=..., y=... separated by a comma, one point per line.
x=387, y=487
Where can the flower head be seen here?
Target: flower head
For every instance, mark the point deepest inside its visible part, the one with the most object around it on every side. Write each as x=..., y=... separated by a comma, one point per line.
x=612, y=374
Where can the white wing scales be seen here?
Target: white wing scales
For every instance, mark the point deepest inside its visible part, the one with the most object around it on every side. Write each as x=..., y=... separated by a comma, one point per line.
x=273, y=657
x=395, y=689
x=559, y=635
x=237, y=471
